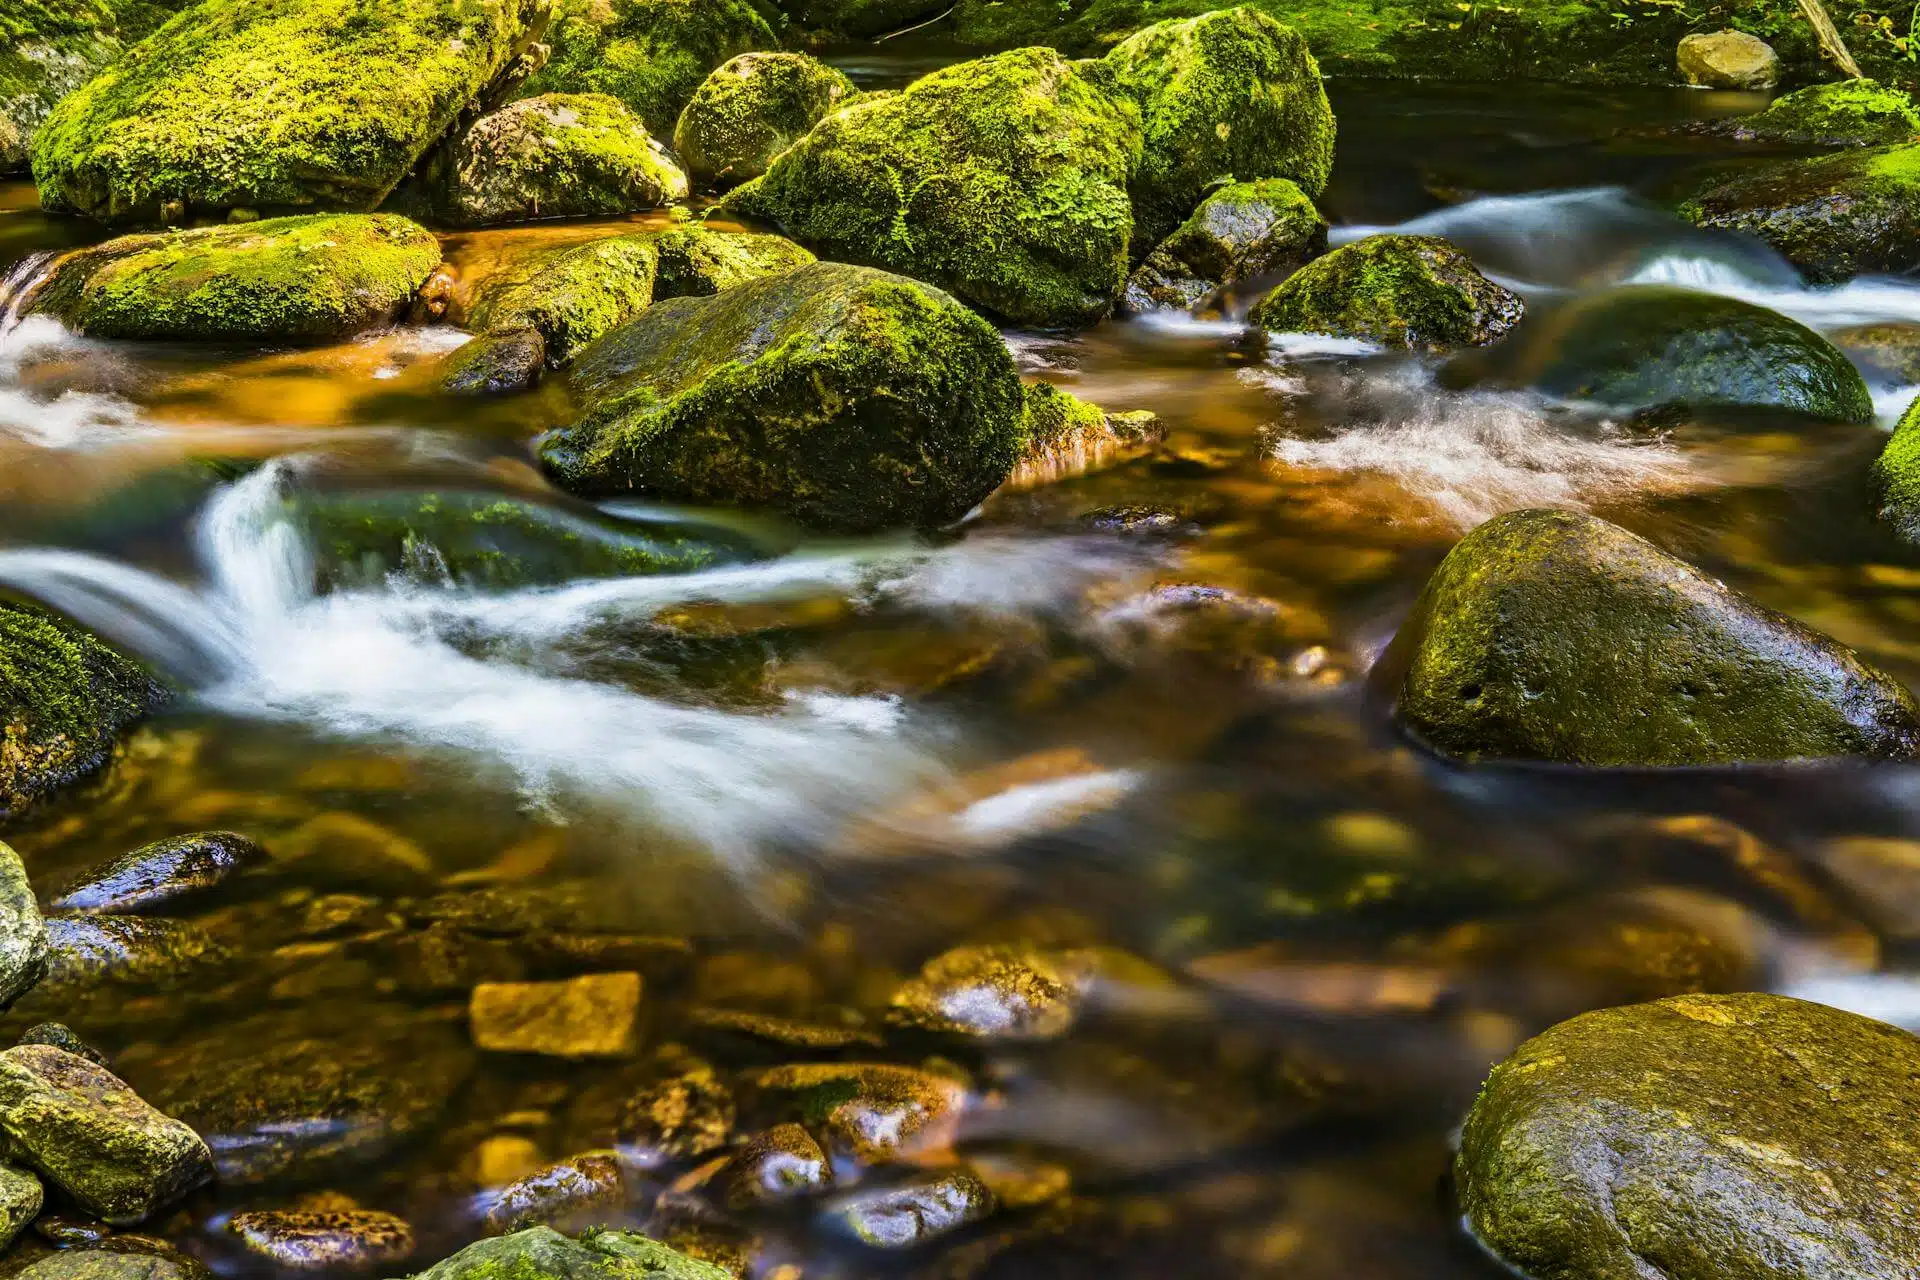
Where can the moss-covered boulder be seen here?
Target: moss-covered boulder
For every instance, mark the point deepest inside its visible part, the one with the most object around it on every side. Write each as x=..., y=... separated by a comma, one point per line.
x=1240, y=232
x=846, y=397
x=697, y=263
x=312, y=278
x=1415, y=292
x=1834, y=216
x=496, y=363
x=1896, y=473
x=650, y=54
x=541, y=1253
x=23, y=934
x=1225, y=96
x=49, y=48
x=561, y=155
x=571, y=296
x=1555, y=636
x=1702, y=1137
x=64, y=697
x=750, y=110
x=1653, y=345
x=1003, y=180
x=264, y=104
x=1846, y=113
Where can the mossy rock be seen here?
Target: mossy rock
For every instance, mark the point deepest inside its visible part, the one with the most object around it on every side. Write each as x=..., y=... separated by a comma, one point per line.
x=1003, y=180
x=750, y=110
x=570, y=297
x=116, y=1258
x=541, y=1253
x=1415, y=292
x=1555, y=636
x=1834, y=217
x=843, y=396
x=64, y=698
x=49, y=48
x=862, y=19
x=1241, y=232
x=23, y=934
x=698, y=263
x=1647, y=346
x=650, y=54
x=272, y=103
x=311, y=279
x=1225, y=96
x=1703, y=1137
x=1845, y=113
x=494, y=364
x=21, y=1198
x=561, y=155
x=1896, y=473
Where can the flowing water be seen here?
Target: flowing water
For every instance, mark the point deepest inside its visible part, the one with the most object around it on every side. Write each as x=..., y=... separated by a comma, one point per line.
x=1127, y=709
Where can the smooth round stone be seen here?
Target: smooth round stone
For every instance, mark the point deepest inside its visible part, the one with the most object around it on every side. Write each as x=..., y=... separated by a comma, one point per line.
x=161, y=873
x=916, y=1212
x=995, y=993
x=580, y=1184
x=782, y=1163
x=324, y=1239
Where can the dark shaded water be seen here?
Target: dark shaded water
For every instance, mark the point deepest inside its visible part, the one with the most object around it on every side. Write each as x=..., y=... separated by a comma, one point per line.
x=1126, y=710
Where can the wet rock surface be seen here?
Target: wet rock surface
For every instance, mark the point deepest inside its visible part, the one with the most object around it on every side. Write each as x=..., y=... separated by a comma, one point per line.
x=572, y=1190
x=1395, y=290
x=1239, y=233
x=587, y=1017
x=165, y=872
x=339, y=1239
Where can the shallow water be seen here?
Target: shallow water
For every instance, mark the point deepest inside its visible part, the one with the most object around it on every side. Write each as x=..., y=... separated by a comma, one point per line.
x=827, y=763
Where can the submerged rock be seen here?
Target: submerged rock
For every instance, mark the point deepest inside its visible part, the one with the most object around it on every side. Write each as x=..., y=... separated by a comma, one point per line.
x=541, y=1253
x=686, y=1113
x=698, y=263
x=1416, y=292
x=583, y=1184
x=594, y=1016
x=848, y=398
x=1702, y=1138
x=20, y=1199
x=1224, y=96
x=308, y=279
x=335, y=1239
x=781, y=1163
x=750, y=110
x=570, y=296
x=162, y=873
x=90, y=1135
x=561, y=155
x=1238, y=233
x=870, y=1112
x=917, y=1211
x=1834, y=217
x=1728, y=60
x=995, y=993
x=91, y=950
x=650, y=54
x=1551, y=635
x=256, y=104
x=23, y=934
x=1003, y=180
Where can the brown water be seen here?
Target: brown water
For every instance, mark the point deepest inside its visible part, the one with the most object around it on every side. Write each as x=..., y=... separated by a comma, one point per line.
x=1127, y=709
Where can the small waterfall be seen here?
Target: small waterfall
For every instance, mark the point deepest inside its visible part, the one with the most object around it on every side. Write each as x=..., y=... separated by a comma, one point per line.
x=19, y=286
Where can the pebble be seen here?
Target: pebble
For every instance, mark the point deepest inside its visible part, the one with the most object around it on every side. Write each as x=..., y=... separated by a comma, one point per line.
x=595, y=1016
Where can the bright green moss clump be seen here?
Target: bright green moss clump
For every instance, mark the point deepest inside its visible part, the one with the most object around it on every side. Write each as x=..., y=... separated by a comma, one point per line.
x=1844, y=113
x=696, y=262
x=541, y=1253
x=750, y=110
x=561, y=155
x=274, y=103
x=1395, y=290
x=49, y=48
x=571, y=296
x=312, y=278
x=1240, y=232
x=1551, y=635
x=1834, y=217
x=650, y=54
x=64, y=696
x=1004, y=180
x=845, y=397
x=1233, y=94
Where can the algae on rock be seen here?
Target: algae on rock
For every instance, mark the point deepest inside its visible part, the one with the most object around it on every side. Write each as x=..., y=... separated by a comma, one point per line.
x=698, y=263
x=561, y=155
x=750, y=110
x=1405, y=291
x=541, y=1253
x=1834, y=216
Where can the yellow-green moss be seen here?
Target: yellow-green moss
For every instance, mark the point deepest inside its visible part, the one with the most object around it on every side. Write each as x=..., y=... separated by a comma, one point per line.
x=571, y=296
x=696, y=262
x=750, y=110
x=49, y=48
x=1395, y=290
x=1834, y=216
x=541, y=1253
x=560, y=155
x=1897, y=472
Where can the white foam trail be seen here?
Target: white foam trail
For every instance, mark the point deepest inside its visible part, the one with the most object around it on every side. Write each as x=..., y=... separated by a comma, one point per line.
x=1864, y=300
x=71, y=420
x=1311, y=345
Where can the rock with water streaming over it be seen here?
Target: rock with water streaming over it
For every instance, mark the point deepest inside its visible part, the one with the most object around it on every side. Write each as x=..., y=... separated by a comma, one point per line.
x=1728, y=60
x=162, y=873
x=1737, y=1137
x=1834, y=216
x=1238, y=233
x=1406, y=291
x=848, y=398
x=324, y=1239
x=541, y=1253
x=1555, y=636
x=750, y=110
x=90, y=1135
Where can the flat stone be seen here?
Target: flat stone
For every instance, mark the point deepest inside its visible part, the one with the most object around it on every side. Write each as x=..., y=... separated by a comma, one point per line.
x=161, y=873
x=594, y=1016
x=324, y=1239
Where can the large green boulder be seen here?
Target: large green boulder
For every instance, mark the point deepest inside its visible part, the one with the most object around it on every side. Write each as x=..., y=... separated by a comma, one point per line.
x=1653, y=345
x=1555, y=636
x=541, y=1253
x=265, y=104
x=1844, y=113
x=1415, y=292
x=1701, y=1137
x=569, y=296
x=1003, y=180
x=64, y=697
x=846, y=397
x=561, y=155
x=696, y=262
x=49, y=48
x=1239, y=233
x=1224, y=96
x=311, y=278
x=650, y=54
x=1834, y=216
x=750, y=110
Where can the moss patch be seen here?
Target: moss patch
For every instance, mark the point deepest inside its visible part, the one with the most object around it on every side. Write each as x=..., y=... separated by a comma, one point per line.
x=697, y=263
x=750, y=110
x=561, y=155
x=49, y=48
x=571, y=296
x=1240, y=232
x=1396, y=290
x=1897, y=473
x=1834, y=217
x=541, y=1253
x=1844, y=113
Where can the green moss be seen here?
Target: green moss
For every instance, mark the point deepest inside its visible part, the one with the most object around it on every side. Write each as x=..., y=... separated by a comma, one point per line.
x=848, y=398
x=309, y=278
x=1555, y=636
x=650, y=54
x=1240, y=232
x=1844, y=113
x=1702, y=1137
x=1003, y=180
x=1053, y=417
x=561, y=155
x=49, y=48
x=1834, y=217
x=1897, y=473
x=750, y=110
x=1231, y=95
x=1396, y=290
x=697, y=263
x=274, y=103
x=541, y=1253
x=571, y=296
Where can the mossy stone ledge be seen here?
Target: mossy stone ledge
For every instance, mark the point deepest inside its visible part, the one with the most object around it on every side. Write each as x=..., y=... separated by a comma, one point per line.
x=309, y=279
x=846, y=397
x=272, y=104
x=560, y=155
x=1701, y=1137
x=1410, y=292
x=1555, y=636
x=750, y=110
x=569, y=297
x=1845, y=113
